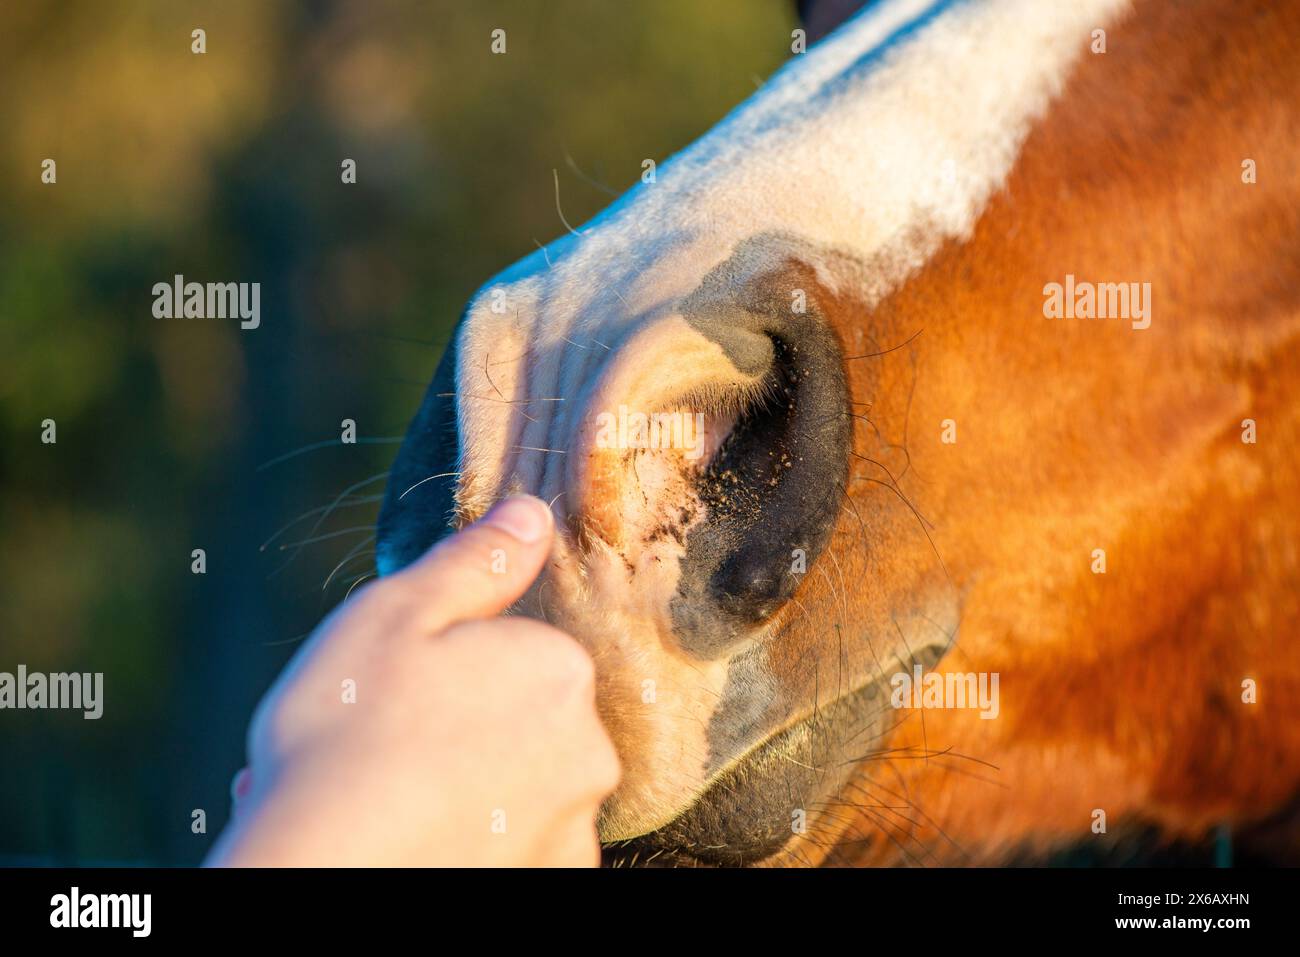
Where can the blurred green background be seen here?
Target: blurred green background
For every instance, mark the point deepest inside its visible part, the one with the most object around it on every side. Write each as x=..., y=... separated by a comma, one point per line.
x=225, y=166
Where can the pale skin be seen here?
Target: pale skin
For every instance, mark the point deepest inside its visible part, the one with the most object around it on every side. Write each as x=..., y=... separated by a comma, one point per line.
x=473, y=739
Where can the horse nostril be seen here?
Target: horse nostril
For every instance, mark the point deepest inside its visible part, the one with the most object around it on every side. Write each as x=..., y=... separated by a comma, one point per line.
x=713, y=547
x=772, y=491
x=705, y=536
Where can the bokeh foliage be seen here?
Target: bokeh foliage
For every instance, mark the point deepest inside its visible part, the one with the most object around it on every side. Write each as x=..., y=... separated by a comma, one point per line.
x=225, y=167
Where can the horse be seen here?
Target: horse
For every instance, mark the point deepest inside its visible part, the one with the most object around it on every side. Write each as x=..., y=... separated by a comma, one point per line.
x=922, y=445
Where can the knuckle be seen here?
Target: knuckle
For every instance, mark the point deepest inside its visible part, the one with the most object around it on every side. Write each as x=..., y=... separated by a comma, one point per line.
x=476, y=645
x=382, y=598
x=272, y=723
x=568, y=663
x=467, y=631
x=608, y=770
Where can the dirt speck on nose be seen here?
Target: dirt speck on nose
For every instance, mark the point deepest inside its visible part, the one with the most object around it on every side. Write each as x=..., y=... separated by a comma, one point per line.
x=674, y=528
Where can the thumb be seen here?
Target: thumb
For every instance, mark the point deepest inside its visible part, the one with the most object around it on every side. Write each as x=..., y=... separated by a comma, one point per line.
x=483, y=569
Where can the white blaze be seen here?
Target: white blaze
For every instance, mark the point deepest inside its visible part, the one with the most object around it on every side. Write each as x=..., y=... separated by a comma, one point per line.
x=881, y=141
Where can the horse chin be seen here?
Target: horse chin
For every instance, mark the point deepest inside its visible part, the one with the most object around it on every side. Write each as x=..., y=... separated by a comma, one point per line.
x=770, y=804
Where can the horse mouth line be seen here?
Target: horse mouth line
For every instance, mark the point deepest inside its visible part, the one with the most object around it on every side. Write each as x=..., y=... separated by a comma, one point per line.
x=766, y=800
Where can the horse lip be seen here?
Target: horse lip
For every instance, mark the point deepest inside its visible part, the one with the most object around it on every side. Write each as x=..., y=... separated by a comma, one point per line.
x=744, y=813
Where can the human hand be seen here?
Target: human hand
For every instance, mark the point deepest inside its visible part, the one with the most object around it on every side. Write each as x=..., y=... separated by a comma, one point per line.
x=415, y=728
